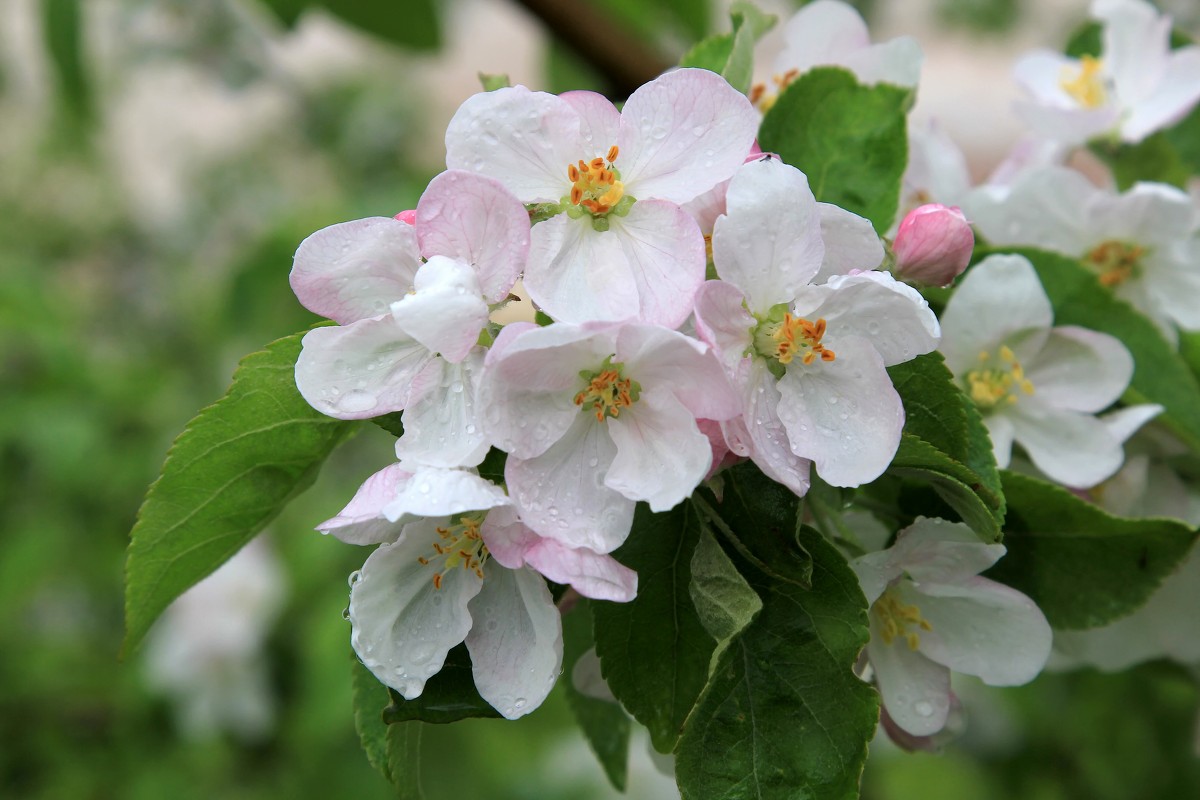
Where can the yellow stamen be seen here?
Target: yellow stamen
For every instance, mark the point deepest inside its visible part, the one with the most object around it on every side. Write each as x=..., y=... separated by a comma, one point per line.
x=594, y=184
x=463, y=547
x=1086, y=83
x=993, y=384
x=895, y=619
x=796, y=336
x=607, y=393
x=1115, y=262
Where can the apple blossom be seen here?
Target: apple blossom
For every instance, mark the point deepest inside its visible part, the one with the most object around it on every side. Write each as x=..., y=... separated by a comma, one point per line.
x=931, y=613
x=809, y=359
x=1141, y=244
x=412, y=300
x=1037, y=385
x=933, y=245
x=616, y=244
x=598, y=416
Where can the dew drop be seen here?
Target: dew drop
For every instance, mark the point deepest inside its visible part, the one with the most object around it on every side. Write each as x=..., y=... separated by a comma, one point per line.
x=356, y=401
x=354, y=578
x=924, y=709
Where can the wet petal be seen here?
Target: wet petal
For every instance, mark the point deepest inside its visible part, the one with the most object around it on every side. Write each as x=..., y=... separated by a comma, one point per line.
x=362, y=521
x=660, y=453
x=578, y=274
x=446, y=312
x=1080, y=370
x=442, y=427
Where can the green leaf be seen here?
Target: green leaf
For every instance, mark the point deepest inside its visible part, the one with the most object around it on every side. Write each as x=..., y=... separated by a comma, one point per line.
x=492, y=82
x=654, y=650
x=731, y=55
x=449, y=696
x=946, y=445
x=412, y=24
x=785, y=716
x=1155, y=158
x=234, y=467
x=605, y=725
x=849, y=139
x=393, y=423
x=1085, y=41
x=370, y=697
x=404, y=759
x=1159, y=376
x=62, y=30
x=724, y=601
x=1081, y=565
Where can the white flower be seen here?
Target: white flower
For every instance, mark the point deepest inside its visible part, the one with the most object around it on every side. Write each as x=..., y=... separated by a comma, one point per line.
x=411, y=300
x=1137, y=86
x=1036, y=385
x=931, y=613
x=596, y=417
x=810, y=360
x=603, y=255
x=1142, y=244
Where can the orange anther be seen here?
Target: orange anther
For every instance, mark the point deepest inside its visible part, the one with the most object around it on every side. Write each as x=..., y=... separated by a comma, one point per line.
x=612, y=153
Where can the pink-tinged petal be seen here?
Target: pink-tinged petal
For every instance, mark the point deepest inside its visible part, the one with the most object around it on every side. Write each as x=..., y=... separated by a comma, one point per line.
x=1071, y=448
x=360, y=370
x=1125, y=422
x=876, y=307
x=354, y=270
x=403, y=625
x=521, y=138
x=408, y=217
x=362, y=521
x=1135, y=42
x=769, y=242
x=599, y=119
x=707, y=207
x=770, y=448
x=683, y=133
x=530, y=381
x=1001, y=432
x=561, y=493
x=515, y=641
x=578, y=274
x=1175, y=96
x=443, y=426
x=938, y=551
x=660, y=358
x=998, y=297
x=843, y=414
x=850, y=243
x=445, y=313
x=821, y=33
x=661, y=455
x=506, y=537
x=1080, y=370
x=915, y=690
x=1048, y=208
x=665, y=254
x=475, y=219
x=982, y=628
x=594, y=575
x=439, y=492
x=723, y=454
x=956, y=724
x=723, y=323
x=933, y=245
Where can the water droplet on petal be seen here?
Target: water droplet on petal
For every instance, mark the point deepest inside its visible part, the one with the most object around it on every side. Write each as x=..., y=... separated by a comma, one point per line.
x=924, y=709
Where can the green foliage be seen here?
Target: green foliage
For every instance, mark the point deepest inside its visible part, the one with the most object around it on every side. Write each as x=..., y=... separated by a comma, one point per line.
x=1159, y=376
x=731, y=55
x=449, y=696
x=1082, y=566
x=654, y=650
x=784, y=716
x=62, y=29
x=230, y=472
x=394, y=750
x=604, y=724
x=412, y=24
x=946, y=445
x=404, y=760
x=850, y=140
x=723, y=599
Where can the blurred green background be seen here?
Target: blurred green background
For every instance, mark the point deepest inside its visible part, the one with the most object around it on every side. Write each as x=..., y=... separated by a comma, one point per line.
x=159, y=163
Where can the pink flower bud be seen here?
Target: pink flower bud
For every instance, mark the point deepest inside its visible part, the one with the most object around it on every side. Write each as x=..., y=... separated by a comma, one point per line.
x=409, y=216
x=933, y=245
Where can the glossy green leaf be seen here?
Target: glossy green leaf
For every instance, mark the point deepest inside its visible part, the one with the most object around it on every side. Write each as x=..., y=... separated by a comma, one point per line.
x=723, y=599
x=731, y=55
x=604, y=724
x=62, y=30
x=654, y=650
x=850, y=140
x=449, y=696
x=404, y=760
x=1081, y=565
x=784, y=715
x=234, y=467
x=370, y=698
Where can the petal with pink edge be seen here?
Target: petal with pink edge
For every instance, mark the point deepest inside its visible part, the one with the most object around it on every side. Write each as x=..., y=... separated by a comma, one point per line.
x=442, y=427
x=850, y=242
x=595, y=575
x=660, y=453
x=578, y=274
x=771, y=450
x=439, y=492
x=665, y=254
x=723, y=323
x=599, y=121
x=445, y=313
x=657, y=357
x=362, y=521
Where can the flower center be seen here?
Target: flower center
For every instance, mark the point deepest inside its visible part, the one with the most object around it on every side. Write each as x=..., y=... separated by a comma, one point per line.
x=997, y=379
x=791, y=338
x=459, y=545
x=607, y=391
x=1115, y=262
x=595, y=185
x=1086, y=83
x=897, y=619
x=764, y=100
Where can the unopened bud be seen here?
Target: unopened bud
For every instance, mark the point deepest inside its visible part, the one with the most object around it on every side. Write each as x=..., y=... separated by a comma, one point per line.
x=933, y=245
x=409, y=216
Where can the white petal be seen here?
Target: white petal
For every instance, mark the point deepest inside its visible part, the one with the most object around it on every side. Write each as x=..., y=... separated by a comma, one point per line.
x=443, y=427
x=657, y=357
x=661, y=454
x=446, y=312
x=561, y=493
x=475, y=219
x=1000, y=296
x=362, y=521
x=770, y=447
x=1174, y=97
x=939, y=551
x=1080, y=370
x=1047, y=208
x=1135, y=40
x=361, y=370
x=438, y=492
x=821, y=33
x=683, y=133
x=844, y=414
x=1071, y=448
x=595, y=575
x=769, y=242
x=850, y=243
x=403, y=625
x=982, y=628
x=723, y=323
x=578, y=274
x=354, y=270
x=897, y=62
x=599, y=119
x=665, y=254
x=1001, y=432
x=1125, y=422
x=915, y=690
x=515, y=642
